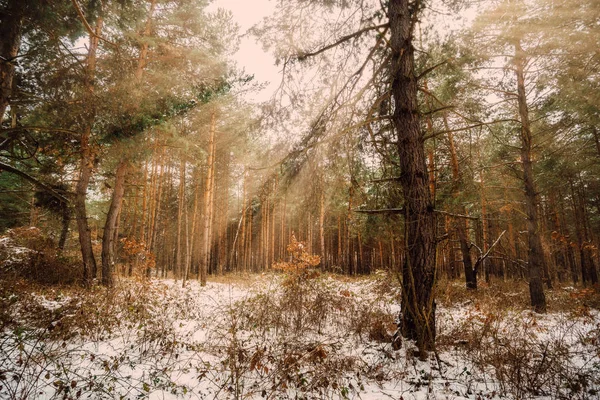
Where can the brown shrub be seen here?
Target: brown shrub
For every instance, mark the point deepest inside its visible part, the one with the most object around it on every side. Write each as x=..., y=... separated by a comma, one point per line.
x=27, y=253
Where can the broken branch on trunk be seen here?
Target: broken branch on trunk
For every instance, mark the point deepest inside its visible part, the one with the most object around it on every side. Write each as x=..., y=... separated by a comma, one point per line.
x=482, y=258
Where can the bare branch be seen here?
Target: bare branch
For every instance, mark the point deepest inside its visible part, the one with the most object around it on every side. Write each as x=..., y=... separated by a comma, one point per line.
x=381, y=211
x=430, y=69
x=401, y=211
x=437, y=110
x=86, y=24
x=487, y=253
x=456, y=215
x=432, y=135
x=343, y=39
x=395, y=178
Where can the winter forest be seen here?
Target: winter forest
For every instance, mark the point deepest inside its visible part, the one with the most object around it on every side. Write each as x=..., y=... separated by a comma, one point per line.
x=299, y=199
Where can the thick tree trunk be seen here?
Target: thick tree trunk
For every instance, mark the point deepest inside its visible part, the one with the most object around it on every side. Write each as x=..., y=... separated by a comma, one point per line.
x=418, y=272
x=110, y=226
x=11, y=20
x=85, y=238
x=536, y=255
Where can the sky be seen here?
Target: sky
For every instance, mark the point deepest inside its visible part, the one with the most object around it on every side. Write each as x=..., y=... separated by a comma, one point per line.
x=251, y=55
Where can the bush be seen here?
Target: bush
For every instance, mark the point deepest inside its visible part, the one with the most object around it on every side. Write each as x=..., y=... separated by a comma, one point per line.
x=27, y=253
x=527, y=355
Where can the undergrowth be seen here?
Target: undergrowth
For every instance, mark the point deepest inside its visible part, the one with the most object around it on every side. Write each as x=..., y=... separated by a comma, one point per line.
x=293, y=334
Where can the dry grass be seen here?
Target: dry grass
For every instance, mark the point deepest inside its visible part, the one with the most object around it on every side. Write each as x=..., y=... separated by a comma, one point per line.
x=524, y=353
x=514, y=295
x=289, y=335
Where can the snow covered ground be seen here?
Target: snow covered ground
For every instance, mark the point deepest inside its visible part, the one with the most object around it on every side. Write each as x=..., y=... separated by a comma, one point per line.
x=262, y=337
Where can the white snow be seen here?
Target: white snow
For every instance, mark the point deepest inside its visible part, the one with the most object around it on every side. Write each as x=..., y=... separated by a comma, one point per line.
x=227, y=341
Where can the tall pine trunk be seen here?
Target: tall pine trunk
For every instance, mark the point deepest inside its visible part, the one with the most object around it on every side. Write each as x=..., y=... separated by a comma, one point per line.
x=418, y=271
x=179, y=257
x=208, y=204
x=462, y=226
x=535, y=254
x=322, y=228
x=87, y=164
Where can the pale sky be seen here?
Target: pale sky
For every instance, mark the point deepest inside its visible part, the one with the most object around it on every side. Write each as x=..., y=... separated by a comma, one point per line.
x=251, y=56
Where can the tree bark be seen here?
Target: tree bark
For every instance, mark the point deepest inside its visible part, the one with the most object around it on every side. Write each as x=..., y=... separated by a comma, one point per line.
x=86, y=165
x=418, y=272
x=110, y=226
x=484, y=229
x=85, y=238
x=11, y=22
x=144, y=46
x=181, y=204
x=208, y=203
x=462, y=226
x=190, y=235
x=66, y=220
x=588, y=268
x=535, y=254
x=596, y=140
x=322, y=227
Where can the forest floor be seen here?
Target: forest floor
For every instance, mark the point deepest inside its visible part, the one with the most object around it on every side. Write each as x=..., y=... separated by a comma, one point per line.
x=311, y=337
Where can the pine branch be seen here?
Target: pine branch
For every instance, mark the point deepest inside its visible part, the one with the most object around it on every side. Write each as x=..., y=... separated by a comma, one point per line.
x=54, y=193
